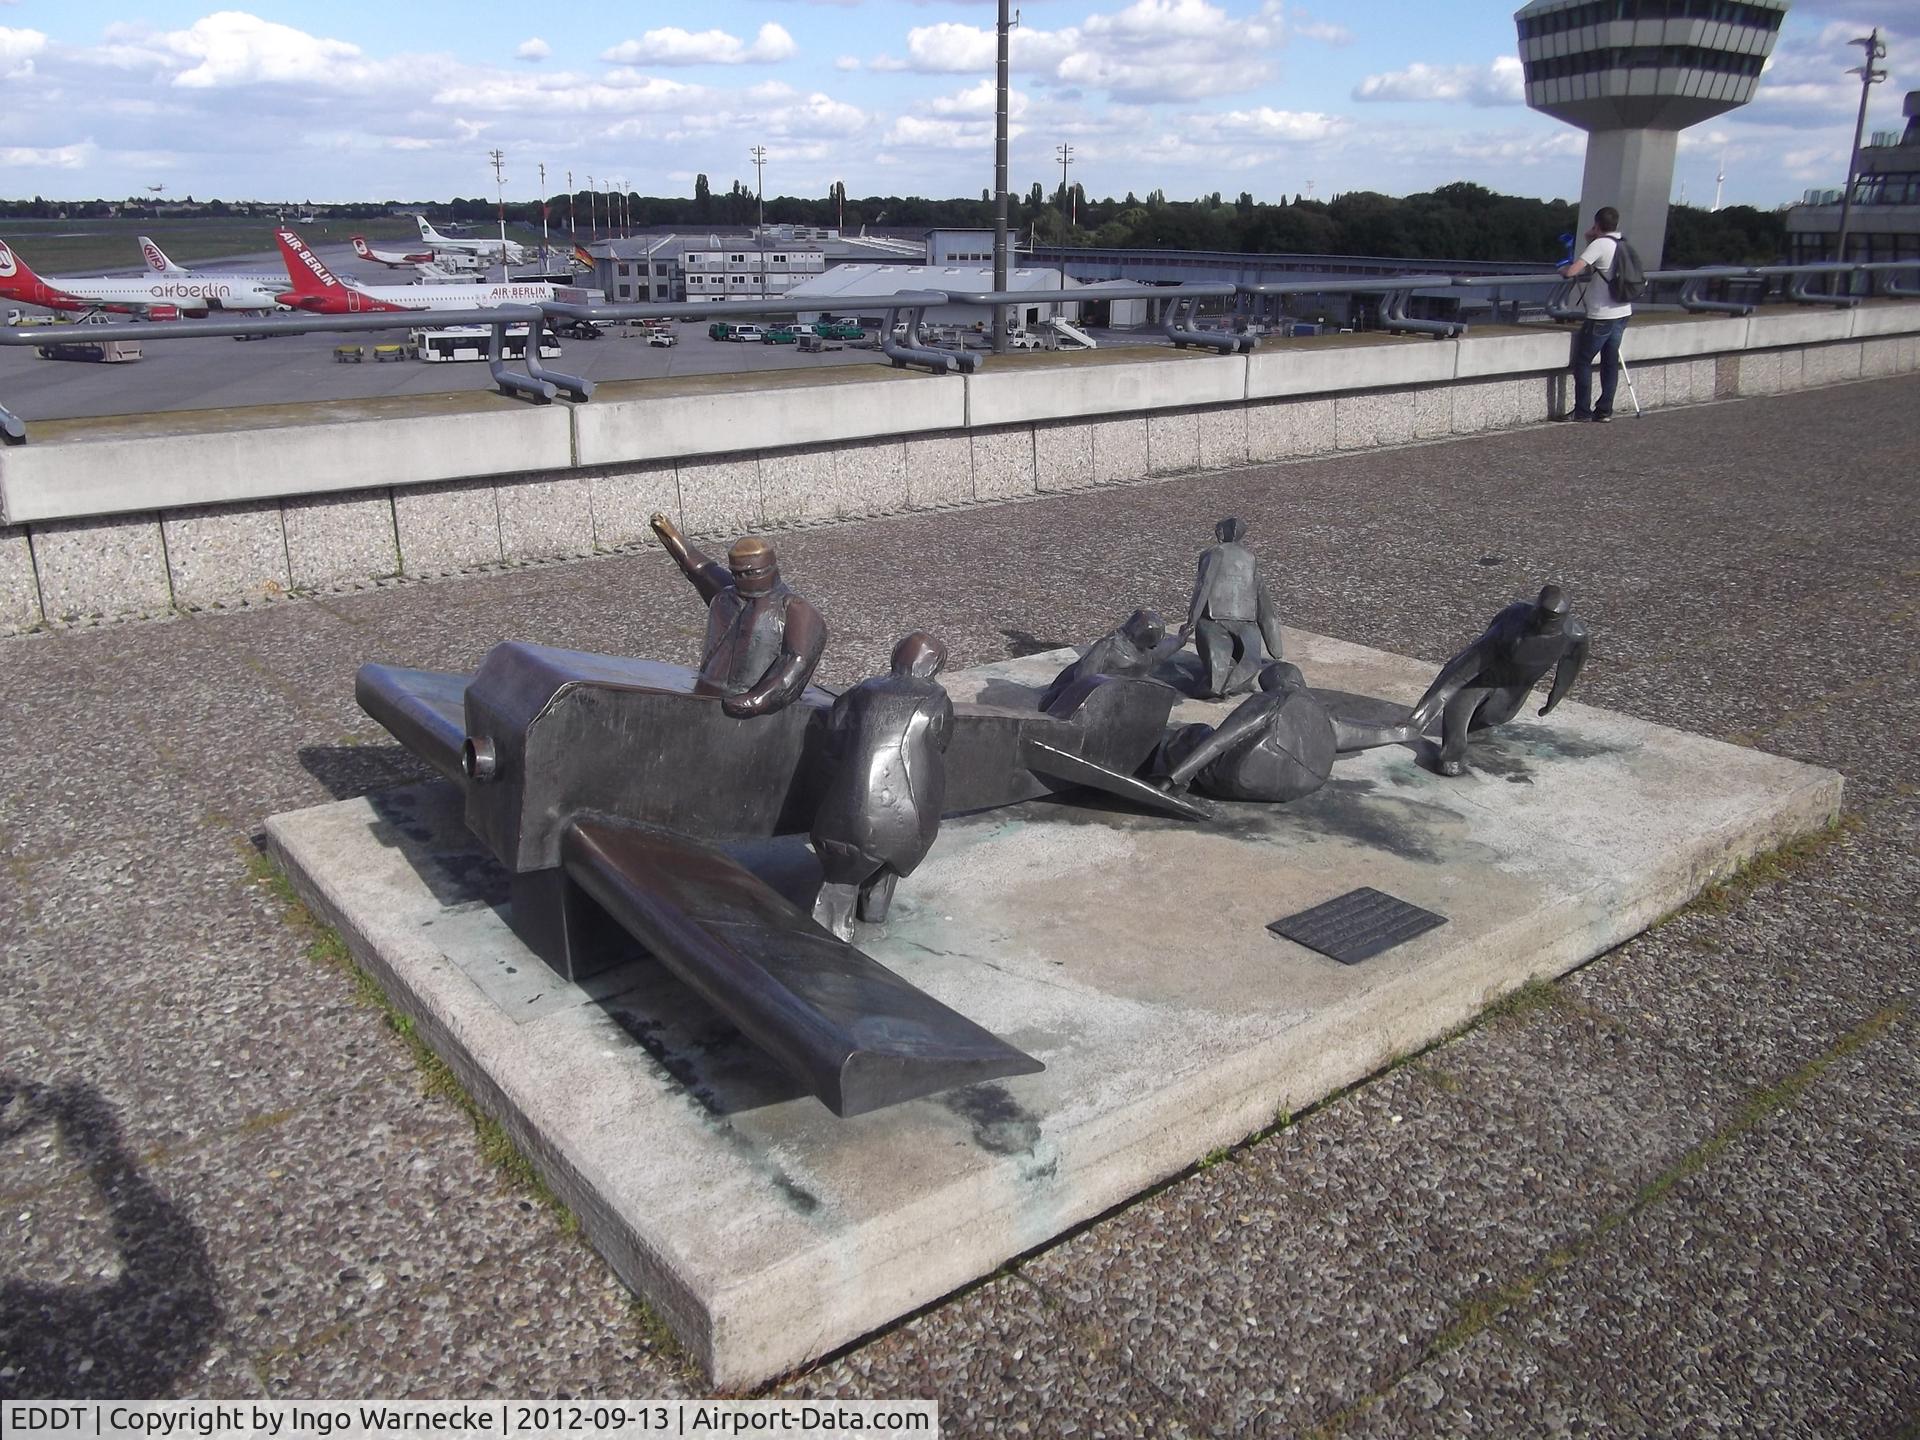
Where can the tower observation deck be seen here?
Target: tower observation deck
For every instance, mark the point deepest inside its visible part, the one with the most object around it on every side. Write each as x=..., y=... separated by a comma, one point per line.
x=1633, y=74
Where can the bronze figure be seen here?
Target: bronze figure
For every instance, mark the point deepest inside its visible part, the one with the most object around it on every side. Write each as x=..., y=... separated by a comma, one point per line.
x=1488, y=682
x=1231, y=614
x=762, y=639
x=1130, y=650
x=887, y=739
x=1276, y=746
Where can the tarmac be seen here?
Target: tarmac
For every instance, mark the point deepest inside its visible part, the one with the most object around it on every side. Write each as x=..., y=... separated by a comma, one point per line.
x=184, y=375
x=1673, y=1193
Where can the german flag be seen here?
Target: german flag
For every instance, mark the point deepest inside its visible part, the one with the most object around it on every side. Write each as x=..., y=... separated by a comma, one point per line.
x=580, y=254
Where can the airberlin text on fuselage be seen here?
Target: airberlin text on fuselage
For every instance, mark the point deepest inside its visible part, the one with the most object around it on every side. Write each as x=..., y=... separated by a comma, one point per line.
x=191, y=290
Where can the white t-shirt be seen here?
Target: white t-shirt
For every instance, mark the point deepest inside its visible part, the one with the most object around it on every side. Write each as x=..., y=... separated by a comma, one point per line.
x=1599, y=299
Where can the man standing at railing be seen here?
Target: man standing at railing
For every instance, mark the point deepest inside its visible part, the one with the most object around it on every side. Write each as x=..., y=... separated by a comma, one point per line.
x=1606, y=320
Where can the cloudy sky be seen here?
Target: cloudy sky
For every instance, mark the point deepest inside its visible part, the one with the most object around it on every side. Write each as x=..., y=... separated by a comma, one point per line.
x=380, y=101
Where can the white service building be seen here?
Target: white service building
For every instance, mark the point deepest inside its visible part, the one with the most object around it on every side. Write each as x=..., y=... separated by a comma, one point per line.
x=846, y=280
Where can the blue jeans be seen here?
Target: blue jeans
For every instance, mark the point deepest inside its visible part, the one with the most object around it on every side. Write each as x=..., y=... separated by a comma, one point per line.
x=1602, y=338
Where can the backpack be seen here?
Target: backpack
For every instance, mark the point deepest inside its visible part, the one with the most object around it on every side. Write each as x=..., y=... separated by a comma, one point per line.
x=1628, y=282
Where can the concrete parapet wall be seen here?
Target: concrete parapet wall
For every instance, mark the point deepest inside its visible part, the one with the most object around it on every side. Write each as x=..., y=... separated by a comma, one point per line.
x=719, y=422
x=120, y=474
x=140, y=523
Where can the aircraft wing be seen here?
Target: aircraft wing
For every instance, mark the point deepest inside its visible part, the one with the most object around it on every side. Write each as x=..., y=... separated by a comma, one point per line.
x=425, y=710
x=1057, y=764
x=853, y=1032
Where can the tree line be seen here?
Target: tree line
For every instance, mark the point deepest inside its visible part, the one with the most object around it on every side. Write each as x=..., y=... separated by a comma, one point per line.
x=1461, y=221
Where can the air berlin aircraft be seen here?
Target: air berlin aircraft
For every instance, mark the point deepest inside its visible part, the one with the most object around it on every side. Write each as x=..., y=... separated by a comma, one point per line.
x=398, y=259
x=317, y=288
x=180, y=293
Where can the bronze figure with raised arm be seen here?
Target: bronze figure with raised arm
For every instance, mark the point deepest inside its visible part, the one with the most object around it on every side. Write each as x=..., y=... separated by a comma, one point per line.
x=762, y=639
x=1488, y=682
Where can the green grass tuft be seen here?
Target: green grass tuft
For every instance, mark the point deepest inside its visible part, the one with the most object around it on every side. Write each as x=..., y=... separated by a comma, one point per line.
x=324, y=947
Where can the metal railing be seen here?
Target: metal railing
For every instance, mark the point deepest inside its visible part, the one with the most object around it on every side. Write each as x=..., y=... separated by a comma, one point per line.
x=904, y=313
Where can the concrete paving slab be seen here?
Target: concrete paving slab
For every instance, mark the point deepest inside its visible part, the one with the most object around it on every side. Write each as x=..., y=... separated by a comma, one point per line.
x=767, y=1232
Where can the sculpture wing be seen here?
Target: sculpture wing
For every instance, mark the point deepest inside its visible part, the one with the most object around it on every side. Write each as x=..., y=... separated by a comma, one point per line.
x=849, y=1029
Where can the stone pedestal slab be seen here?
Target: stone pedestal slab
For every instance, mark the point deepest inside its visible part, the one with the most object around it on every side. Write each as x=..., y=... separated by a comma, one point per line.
x=1130, y=953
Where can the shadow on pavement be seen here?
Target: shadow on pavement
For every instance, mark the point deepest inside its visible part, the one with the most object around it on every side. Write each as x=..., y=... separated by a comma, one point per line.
x=126, y=1337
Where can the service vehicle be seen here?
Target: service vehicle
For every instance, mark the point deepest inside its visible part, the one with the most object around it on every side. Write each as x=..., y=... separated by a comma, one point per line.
x=746, y=334
x=720, y=330
x=837, y=330
x=780, y=335
x=662, y=339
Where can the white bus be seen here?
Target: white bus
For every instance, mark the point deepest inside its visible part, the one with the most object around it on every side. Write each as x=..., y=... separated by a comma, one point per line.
x=470, y=342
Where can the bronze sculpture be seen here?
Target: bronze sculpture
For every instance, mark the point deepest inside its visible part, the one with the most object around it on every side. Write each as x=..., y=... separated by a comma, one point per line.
x=1488, y=682
x=1277, y=745
x=1231, y=614
x=887, y=738
x=763, y=640
x=1131, y=650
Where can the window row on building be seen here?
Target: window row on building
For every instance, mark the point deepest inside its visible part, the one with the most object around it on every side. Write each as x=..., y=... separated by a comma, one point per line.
x=1892, y=188
x=1603, y=12
x=1645, y=57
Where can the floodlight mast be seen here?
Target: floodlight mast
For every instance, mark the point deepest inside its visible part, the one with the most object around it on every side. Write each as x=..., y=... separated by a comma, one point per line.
x=1875, y=49
x=499, y=158
x=1004, y=28
x=760, y=208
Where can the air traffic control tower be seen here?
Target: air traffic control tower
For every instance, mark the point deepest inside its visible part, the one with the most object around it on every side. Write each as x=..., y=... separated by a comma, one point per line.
x=1633, y=74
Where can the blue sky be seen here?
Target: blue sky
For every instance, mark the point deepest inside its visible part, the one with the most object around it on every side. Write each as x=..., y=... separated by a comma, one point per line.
x=363, y=101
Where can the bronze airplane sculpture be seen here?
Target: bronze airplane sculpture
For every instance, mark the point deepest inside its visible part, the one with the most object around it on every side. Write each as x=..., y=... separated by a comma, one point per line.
x=609, y=788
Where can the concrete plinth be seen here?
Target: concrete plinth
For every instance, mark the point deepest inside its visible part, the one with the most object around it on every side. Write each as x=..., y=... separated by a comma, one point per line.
x=1129, y=953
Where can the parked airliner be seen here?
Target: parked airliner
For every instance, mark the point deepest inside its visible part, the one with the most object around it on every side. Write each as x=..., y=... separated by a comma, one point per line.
x=469, y=245
x=315, y=287
x=160, y=263
x=398, y=259
x=161, y=294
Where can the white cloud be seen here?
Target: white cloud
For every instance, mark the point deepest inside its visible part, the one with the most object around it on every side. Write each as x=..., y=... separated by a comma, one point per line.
x=1500, y=82
x=846, y=62
x=532, y=48
x=234, y=48
x=977, y=101
x=17, y=49
x=1297, y=126
x=1324, y=31
x=1150, y=51
x=674, y=46
x=59, y=157
x=565, y=94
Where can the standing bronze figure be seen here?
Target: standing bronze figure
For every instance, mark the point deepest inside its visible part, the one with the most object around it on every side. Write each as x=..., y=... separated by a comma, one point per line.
x=1231, y=614
x=762, y=639
x=887, y=741
x=1488, y=682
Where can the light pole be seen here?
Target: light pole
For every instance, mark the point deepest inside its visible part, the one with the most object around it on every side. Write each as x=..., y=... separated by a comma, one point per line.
x=760, y=206
x=593, y=225
x=499, y=158
x=1875, y=49
x=1065, y=152
x=1002, y=30
x=543, y=216
x=573, y=213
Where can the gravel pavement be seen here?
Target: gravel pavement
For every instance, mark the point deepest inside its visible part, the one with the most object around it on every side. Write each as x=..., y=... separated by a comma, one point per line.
x=1672, y=1194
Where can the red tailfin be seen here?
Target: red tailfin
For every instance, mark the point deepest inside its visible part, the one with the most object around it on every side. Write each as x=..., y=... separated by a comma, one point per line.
x=17, y=279
x=306, y=270
x=360, y=248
